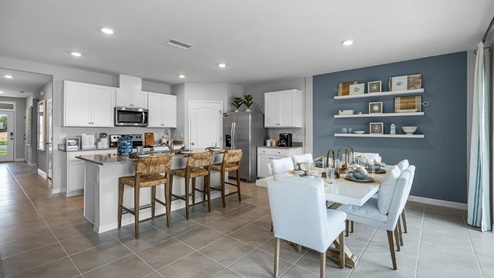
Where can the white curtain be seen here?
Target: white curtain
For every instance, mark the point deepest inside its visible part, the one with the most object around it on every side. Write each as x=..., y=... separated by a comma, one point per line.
x=478, y=184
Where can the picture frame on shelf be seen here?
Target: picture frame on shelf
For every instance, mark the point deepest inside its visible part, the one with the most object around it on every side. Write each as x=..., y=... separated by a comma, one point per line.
x=344, y=87
x=398, y=83
x=375, y=107
x=374, y=86
x=357, y=89
x=408, y=104
x=376, y=128
x=414, y=81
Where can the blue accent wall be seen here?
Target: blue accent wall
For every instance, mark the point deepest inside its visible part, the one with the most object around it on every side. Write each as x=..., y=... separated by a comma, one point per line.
x=440, y=157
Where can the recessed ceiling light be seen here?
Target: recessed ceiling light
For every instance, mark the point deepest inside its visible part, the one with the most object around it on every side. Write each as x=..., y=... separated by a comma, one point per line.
x=76, y=54
x=222, y=65
x=106, y=30
x=347, y=42
x=1, y=92
x=181, y=76
x=8, y=76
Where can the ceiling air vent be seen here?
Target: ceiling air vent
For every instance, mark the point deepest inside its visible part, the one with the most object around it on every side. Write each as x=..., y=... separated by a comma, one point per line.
x=178, y=44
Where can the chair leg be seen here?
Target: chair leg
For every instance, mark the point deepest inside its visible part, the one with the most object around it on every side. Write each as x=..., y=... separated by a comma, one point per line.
x=187, y=198
x=399, y=231
x=299, y=248
x=153, y=201
x=397, y=238
x=166, y=189
x=207, y=180
x=342, y=250
x=404, y=219
x=392, y=249
x=223, y=188
x=276, y=257
x=136, y=210
x=193, y=191
x=120, y=203
x=347, y=227
x=238, y=186
x=322, y=271
x=352, y=226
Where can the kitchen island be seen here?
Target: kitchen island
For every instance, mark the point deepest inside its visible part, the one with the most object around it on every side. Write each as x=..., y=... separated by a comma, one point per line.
x=101, y=189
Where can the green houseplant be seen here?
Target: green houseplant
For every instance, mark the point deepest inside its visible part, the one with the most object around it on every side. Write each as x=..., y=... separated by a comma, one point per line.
x=237, y=102
x=248, y=101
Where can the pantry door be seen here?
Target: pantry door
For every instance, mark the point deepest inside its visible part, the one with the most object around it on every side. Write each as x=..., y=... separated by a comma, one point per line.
x=6, y=136
x=205, y=124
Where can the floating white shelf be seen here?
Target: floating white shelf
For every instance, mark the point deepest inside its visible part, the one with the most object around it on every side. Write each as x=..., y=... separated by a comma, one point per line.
x=375, y=115
x=382, y=94
x=379, y=135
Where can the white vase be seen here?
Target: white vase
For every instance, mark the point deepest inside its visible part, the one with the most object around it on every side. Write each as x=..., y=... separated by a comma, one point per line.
x=236, y=110
x=247, y=110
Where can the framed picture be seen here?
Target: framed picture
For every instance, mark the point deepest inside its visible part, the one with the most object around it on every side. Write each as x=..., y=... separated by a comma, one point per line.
x=408, y=104
x=375, y=107
x=376, y=128
x=344, y=87
x=414, y=81
x=357, y=89
x=399, y=83
x=374, y=87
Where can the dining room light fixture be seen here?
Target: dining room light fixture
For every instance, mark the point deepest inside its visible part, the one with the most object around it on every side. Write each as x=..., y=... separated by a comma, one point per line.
x=347, y=42
x=181, y=76
x=8, y=76
x=76, y=54
x=106, y=30
x=222, y=65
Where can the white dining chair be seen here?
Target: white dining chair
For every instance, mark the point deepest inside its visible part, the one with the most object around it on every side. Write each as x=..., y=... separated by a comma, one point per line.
x=371, y=212
x=411, y=170
x=280, y=167
x=300, y=216
x=300, y=158
x=369, y=156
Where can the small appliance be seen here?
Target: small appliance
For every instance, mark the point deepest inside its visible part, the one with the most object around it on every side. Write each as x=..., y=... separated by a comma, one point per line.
x=129, y=116
x=72, y=143
x=285, y=140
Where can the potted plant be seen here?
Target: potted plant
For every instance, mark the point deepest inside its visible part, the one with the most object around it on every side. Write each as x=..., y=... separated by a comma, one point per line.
x=248, y=102
x=237, y=102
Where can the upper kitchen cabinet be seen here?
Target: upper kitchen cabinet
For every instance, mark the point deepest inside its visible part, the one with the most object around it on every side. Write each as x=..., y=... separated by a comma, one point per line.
x=88, y=105
x=127, y=98
x=162, y=110
x=283, y=109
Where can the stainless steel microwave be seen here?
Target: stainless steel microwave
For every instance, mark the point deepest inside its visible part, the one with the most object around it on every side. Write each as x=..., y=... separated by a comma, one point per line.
x=129, y=116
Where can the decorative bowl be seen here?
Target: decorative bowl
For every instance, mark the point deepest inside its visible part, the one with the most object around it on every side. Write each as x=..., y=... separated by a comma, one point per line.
x=409, y=130
x=359, y=131
x=359, y=176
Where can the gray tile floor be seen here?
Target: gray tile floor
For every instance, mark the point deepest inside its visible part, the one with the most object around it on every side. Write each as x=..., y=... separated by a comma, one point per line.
x=44, y=235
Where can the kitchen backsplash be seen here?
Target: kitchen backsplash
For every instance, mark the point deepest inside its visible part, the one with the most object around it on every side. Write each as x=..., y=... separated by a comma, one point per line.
x=75, y=131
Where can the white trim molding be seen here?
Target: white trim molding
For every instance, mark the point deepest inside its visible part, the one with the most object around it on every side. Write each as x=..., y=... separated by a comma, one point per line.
x=19, y=159
x=42, y=174
x=436, y=202
x=30, y=163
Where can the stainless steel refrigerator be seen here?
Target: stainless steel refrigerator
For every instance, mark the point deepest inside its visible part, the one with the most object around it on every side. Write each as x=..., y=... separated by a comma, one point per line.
x=244, y=130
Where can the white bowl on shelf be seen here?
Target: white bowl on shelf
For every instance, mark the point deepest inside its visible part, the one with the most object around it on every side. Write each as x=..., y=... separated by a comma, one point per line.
x=359, y=131
x=409, y=130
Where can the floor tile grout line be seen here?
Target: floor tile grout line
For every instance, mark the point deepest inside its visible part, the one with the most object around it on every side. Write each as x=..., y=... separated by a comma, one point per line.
x=37, y=211
x=474, y=251
x=420, y=243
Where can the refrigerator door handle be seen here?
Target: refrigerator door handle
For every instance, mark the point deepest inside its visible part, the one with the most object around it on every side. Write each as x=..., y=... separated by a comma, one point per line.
x=234, y=130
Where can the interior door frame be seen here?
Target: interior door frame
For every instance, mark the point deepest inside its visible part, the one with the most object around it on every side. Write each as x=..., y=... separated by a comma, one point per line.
x=49, y=137
x=14, y=156
x=189, y=129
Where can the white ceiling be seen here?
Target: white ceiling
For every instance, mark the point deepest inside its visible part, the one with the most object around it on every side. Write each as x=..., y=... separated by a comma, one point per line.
x=27, y=82
x=259, y=40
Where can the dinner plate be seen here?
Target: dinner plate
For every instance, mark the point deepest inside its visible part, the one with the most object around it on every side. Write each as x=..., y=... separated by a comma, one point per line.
x=186, y=152
x=214, y=149
x=143, y=155
x=367, y=179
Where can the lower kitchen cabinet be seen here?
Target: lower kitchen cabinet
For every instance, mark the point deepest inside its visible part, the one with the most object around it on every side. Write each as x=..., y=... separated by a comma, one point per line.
x=266, y=154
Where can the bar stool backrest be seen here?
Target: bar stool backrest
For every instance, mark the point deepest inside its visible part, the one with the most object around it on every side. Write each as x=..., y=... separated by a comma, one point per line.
x=232, y=156
x=153, y=165
x=199, y=159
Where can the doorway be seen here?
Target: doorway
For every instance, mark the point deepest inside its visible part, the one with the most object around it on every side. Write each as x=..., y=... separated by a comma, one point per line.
x=205, y=124
x=7, y=135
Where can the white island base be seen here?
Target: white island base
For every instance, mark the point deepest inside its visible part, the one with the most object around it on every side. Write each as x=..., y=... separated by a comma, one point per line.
x=101, y=192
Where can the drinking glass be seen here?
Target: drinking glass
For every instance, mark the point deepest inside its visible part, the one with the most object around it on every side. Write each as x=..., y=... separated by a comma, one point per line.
x=349, y=130
x=330, y=175
x=343, y=130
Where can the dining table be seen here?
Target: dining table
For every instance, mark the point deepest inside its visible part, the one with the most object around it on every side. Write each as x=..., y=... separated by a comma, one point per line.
x=342, y=191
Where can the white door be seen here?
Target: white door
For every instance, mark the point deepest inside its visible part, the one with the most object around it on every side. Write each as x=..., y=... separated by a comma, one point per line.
x=205, y=124
x=6, y=136
x=49, y=137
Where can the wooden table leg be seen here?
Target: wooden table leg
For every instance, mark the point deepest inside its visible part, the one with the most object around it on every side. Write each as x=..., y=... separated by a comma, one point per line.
x=333, y=253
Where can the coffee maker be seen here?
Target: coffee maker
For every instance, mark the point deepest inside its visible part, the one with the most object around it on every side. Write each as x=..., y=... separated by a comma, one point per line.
x=285, y=140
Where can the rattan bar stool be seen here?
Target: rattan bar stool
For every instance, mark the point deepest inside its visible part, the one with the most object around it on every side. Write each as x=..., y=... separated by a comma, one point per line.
x=198, y=165
x=149, y=173
x=231, y=162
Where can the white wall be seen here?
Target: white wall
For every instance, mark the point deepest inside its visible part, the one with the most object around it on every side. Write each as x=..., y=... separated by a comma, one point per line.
x=20, y=110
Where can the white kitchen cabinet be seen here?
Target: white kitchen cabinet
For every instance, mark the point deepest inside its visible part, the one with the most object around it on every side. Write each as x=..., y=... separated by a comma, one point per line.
x=127, y=98
x=74, y=172
x=88, y=105
x=283, y=109
x=162, y=110
x=266, y=154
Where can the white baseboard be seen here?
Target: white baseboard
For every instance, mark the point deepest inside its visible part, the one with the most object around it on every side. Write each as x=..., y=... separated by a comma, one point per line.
x=42, y=174
x=19, y=159
x=55, y=191
x=30, y=163
x=435, y=202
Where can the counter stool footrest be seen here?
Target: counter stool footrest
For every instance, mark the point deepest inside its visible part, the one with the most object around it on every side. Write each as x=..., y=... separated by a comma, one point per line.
x=132, y=211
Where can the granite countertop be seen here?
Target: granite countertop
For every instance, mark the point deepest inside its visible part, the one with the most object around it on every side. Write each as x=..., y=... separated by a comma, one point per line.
x=276, y=147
